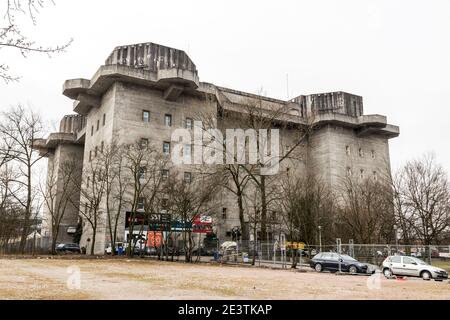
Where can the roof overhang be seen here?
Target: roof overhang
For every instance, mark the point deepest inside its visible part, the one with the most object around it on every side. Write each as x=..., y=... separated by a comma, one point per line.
x=47, y=146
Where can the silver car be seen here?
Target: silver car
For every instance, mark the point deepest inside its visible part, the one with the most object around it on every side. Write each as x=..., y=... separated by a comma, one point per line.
x=413, y=267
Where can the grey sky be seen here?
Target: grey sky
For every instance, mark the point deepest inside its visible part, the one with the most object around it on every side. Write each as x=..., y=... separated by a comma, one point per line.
x=396, y=54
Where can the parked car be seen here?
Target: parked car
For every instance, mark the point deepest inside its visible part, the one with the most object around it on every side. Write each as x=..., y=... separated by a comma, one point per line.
x=413, y=267
x=68, y=248
x=330, y=261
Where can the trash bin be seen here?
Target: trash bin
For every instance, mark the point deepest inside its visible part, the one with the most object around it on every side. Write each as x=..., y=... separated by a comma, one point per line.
x=120, y=251
x=216, y=255
x=245, y=257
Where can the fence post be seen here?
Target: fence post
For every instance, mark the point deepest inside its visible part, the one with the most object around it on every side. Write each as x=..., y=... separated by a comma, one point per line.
x=338, y=249
x=429, y=254
x=351, y=248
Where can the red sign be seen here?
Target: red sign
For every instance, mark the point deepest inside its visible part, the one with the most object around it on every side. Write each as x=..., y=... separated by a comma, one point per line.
x=202, y=228
x=154, y=239
x=202, y=219
x=202, y=224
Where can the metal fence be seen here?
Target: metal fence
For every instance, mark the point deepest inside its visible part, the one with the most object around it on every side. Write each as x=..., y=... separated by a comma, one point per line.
x=266, y=253
x=276, y=254
x=33, y=246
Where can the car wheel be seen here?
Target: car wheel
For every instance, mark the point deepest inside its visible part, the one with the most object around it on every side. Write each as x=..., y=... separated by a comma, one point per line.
x=318, y=267
x=426, y=275
x=353, y=269
x=387, y=273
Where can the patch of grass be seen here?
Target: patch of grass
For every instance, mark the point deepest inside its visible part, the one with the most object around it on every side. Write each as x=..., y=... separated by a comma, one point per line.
x=444, y=264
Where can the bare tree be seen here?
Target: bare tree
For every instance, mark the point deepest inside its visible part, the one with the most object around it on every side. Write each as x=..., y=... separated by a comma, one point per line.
x=144, y=163
x=366, y=214
x=232, y=177
x=59, y=193
x=253, y=208
x=117, y=183
x=187, y=199
x=13, y=37
x=426, y=192
x=404, y=217
x=10, y=212
x=306, y=203
x=92, y=189
x=259, y=114
x=18, y=128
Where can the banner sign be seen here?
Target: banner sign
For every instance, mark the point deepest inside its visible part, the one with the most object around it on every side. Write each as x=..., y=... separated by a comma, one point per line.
x=155, y=221
x=198, y=228
x=202, y=224
x=181, y=226
x=154, y=239
x=295, y=245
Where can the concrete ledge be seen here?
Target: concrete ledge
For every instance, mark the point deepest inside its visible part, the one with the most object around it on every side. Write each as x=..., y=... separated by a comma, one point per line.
x=73, y=87
x=45, y=146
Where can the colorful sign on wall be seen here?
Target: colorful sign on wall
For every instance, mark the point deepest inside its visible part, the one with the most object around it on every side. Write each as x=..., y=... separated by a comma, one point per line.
x=202, y=224
x=154, y=239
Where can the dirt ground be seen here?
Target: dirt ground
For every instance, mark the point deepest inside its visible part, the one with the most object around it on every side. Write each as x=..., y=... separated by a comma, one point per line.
x=143, y=279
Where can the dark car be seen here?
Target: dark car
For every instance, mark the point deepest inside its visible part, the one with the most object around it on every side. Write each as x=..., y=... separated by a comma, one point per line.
x=68, y=248
x=330, y=261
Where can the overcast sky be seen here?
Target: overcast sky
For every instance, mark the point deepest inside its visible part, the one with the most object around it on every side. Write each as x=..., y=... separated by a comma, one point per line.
x=396, y=54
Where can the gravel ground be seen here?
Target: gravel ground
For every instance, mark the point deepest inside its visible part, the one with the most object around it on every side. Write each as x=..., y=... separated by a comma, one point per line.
x=143, y=279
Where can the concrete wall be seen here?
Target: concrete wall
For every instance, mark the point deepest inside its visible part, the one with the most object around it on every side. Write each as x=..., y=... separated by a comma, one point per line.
x=94, y=138
x=60, y=156
x=335, y=151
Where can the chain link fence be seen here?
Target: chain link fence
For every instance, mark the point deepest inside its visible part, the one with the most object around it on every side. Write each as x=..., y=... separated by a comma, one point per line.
x=274, y=253
x=266, y=253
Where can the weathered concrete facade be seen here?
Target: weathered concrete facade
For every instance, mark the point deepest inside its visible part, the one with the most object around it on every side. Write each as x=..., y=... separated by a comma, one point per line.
x=161, y=80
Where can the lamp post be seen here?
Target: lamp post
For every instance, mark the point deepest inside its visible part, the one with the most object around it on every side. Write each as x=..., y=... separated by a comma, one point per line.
x=320, y=238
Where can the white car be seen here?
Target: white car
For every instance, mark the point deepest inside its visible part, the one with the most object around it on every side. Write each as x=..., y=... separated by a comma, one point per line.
x=413, y=267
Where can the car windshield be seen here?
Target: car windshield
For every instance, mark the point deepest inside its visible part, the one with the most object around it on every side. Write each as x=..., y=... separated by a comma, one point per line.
x=60, y=245
x=346, y=257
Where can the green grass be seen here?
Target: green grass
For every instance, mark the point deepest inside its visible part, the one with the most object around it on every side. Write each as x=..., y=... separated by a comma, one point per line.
x=444, y=264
